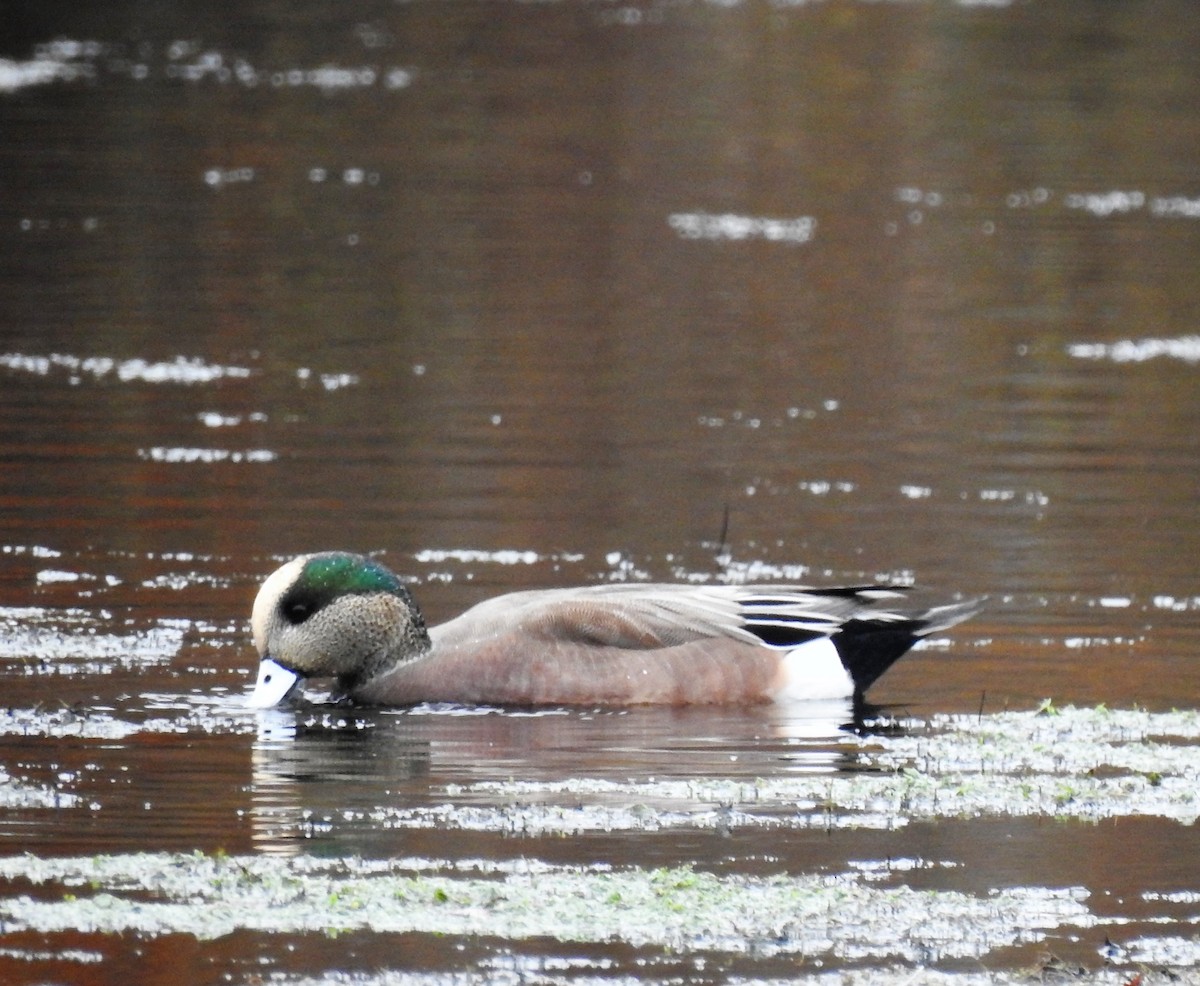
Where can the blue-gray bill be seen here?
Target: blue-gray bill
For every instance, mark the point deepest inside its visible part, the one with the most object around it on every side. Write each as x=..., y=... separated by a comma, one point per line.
x=274, y=685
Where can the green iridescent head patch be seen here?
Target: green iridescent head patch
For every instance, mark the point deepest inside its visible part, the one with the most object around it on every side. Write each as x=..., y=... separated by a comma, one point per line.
x=327, y=576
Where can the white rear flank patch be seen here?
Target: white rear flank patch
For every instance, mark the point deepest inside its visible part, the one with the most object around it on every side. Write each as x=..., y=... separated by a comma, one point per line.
x=813, y=671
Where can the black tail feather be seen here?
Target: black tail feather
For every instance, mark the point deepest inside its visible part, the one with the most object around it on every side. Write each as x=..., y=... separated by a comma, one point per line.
x=869, y=647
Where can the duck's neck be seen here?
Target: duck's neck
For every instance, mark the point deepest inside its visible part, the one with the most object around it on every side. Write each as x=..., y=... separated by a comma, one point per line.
x=410, y=643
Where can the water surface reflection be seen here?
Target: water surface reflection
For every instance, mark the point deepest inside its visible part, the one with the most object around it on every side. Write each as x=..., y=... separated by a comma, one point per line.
x=316, y=770
x=525, y=295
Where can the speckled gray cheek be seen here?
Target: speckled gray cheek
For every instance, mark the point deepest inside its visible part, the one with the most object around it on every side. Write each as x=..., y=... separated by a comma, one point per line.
x=319, y=646
x=353, y=638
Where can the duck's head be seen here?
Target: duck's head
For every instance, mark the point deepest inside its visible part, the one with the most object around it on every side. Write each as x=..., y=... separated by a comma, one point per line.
x=333, y=614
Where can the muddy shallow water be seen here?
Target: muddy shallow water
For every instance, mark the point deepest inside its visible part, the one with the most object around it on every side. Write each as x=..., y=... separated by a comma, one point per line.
x=523, y=295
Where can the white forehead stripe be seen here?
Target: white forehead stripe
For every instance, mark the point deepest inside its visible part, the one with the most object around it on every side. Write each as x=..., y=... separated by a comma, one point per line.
x=273, y=588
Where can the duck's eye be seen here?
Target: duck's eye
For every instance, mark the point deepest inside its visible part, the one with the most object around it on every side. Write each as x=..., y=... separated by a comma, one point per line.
x=297, y=612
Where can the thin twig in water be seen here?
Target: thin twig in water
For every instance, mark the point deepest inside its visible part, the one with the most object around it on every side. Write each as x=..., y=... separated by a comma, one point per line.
x=722, y=556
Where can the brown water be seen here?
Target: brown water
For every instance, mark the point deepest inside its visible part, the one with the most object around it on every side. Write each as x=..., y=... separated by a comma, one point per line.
x=527, y=294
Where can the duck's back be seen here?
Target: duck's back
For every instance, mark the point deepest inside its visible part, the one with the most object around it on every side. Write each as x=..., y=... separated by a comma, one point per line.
x=666, y=644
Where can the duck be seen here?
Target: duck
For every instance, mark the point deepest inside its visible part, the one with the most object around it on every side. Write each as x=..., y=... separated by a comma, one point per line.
x=347, y=616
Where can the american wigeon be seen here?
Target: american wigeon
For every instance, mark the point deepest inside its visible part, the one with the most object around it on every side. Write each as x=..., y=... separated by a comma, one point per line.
x=348, y=617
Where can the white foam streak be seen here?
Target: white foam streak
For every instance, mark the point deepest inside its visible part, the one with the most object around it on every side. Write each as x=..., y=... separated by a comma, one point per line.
x=1185, y=348
x=729, y=226
x=180, y=370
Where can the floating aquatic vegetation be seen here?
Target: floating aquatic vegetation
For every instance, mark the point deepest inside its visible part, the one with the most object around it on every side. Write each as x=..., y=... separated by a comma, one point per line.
x=94, y=724
x=1076, y=763
x=66, y=641
x=1086, y=764
x=19, y=794
x=513, y=969
x=678, y=907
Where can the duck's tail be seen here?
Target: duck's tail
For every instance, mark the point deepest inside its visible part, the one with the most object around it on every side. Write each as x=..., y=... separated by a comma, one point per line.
x=869, y=645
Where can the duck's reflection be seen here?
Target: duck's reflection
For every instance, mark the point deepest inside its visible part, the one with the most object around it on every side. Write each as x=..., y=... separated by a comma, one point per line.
x=309, y=765
x=328, y=773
